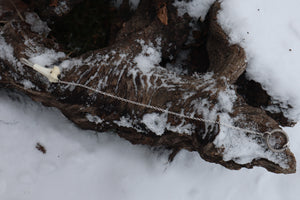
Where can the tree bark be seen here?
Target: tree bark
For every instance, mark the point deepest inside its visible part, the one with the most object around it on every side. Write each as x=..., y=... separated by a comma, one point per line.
x=115, y=69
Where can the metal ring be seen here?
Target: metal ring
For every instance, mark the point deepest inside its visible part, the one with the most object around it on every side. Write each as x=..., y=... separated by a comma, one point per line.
x=268, y=136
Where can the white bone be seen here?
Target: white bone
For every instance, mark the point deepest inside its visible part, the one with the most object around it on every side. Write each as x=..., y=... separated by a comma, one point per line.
x=50, y=73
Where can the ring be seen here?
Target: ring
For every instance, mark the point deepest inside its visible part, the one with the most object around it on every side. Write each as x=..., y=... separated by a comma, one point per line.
x=273, y=147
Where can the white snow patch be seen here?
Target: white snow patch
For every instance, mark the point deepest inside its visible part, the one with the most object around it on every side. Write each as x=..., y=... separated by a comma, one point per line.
x=125, y=122
x=156, y=122
x=195, y=8
x=181, y=128
x=67, y=64
x=93, y=118
x=6, y=51
x=37, y=25
x=102, y=83
x=149, y=58
x=187, y=95
x=61, y=8
x=28, y=84
x=47, y=57
x=226, y=99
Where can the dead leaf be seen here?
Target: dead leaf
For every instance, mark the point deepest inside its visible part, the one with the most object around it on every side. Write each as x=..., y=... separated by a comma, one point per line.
x=163, y=14
x=41, y=148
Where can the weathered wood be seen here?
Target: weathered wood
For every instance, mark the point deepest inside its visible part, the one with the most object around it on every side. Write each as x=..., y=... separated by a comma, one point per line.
x=115, y=69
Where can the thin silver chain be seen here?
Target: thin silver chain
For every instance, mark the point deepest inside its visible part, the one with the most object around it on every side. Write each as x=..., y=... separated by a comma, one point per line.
x=159, y=109
x=267, y=134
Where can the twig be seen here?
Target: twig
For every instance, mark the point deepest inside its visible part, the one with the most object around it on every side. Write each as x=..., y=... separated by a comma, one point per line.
x=18, y=12
x=70, y=53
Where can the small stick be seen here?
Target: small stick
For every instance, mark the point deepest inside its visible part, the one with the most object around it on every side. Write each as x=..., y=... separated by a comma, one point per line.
x=18, y=12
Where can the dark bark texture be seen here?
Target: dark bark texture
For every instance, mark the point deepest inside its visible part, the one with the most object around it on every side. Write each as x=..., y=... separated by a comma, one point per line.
x=154, y=28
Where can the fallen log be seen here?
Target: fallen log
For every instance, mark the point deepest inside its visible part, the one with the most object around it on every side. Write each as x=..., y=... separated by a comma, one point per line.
x=131, y=68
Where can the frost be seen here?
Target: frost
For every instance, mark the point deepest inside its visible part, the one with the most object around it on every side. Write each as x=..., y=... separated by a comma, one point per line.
x=155, y=122
x=181, y=128
x=94, y=119
x=37, y=25
x=133, y=3
x=195, y=8
x=61, y=8
x=187, y=95
x=102, y=83
x=125, y=122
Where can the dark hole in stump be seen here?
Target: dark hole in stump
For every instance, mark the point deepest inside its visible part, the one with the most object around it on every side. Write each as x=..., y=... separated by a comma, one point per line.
x=90, y=25
x=256, y=96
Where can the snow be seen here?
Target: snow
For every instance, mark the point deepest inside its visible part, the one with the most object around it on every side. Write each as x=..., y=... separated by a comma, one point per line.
x=82, y=164
x=145, y=62
x=133, y=3
x=27, y=84
x=93, y=118
x=226, y=99
x=149, y=58
x=67, y=64
x=125, y=122
x=37, y=25
x=156, y=122
x=46, y=57
x=6, y=51
x=269, y=31
x=182, y=128
x=61, y=8
x=194, y=8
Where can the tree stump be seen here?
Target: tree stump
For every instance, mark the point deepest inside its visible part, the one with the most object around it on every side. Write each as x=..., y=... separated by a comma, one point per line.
x=137, y=63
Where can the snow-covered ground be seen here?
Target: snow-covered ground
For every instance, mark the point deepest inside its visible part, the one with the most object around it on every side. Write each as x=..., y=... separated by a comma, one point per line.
x=88, y=165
